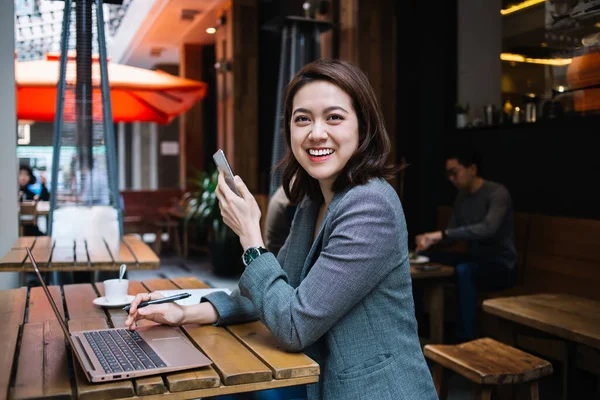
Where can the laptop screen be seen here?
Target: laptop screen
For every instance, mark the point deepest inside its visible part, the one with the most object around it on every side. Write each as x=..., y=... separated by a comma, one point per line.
x=62, y=322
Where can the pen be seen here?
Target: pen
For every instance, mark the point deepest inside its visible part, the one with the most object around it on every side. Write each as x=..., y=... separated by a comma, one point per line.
x=159, y=301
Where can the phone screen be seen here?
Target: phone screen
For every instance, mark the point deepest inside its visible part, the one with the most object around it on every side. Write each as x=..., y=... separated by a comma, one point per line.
x=223, y=166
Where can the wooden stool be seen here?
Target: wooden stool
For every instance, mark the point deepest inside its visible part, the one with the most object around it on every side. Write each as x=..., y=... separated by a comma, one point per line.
x=487, y=363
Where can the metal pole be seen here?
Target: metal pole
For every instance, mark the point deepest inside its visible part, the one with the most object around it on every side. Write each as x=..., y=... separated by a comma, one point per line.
x=58, y=116
x=83, y=94
x=109, y=129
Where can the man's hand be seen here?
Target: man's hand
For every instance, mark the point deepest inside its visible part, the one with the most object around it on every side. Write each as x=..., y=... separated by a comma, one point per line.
x=426, y=240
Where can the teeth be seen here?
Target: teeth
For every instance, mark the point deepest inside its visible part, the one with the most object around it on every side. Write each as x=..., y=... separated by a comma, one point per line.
x=322, y=152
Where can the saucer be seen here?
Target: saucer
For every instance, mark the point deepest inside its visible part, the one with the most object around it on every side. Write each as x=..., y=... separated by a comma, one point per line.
x=419, y=260
x=103, y=302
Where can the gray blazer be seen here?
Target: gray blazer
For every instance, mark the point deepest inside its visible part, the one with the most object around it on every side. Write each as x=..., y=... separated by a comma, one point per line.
x=344, y=299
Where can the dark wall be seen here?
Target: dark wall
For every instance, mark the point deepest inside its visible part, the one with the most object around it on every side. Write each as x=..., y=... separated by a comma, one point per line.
x=269, y=52
x=426, y=77
x=549, y=167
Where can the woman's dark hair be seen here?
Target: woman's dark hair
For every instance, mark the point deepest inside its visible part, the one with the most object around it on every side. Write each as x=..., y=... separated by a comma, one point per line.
x=370, y=159
x=32, y=178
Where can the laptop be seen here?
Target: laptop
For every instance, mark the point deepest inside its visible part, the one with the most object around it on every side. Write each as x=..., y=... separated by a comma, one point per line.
x=118, y=353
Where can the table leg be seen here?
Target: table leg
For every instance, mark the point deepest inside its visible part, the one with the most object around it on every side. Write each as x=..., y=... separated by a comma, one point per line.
x=436, y=313
x=569, y=375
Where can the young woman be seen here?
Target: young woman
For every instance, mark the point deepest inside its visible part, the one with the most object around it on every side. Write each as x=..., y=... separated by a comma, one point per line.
x=340, y=288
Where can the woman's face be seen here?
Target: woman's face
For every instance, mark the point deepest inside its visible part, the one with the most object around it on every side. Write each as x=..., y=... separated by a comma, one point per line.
x=23, y=178
x=324, y=130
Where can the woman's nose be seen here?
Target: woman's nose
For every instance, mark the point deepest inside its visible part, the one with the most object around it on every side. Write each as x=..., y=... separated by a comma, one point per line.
x=318, y=132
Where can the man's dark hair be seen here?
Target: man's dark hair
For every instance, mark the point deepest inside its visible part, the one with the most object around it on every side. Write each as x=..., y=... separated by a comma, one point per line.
x=465, y=157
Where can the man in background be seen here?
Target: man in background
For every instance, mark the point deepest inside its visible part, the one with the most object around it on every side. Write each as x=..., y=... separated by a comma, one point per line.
x=483, y=217
x=279, y=220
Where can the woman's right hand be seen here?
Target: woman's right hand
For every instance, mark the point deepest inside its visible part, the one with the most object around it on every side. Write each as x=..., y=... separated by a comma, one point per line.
x=166, y=313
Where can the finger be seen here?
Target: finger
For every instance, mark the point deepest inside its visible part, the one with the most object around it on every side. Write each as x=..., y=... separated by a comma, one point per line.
x=239, y=183
x=137, y=300
x=160, y=309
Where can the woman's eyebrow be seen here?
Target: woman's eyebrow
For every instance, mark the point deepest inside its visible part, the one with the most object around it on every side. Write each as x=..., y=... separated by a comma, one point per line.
x=303, y=110
x=332, y=108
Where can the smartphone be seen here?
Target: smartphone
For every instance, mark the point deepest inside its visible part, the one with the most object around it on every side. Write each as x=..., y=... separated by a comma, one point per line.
x=223, y=166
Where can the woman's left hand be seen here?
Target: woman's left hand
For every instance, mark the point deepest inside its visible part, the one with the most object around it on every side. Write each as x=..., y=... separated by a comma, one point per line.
x=241, y=214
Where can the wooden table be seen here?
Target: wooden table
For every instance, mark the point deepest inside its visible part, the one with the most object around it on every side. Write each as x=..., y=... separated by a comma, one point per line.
x=245, y=357
x=433, y=282
x=574, y=319
x=78, y=255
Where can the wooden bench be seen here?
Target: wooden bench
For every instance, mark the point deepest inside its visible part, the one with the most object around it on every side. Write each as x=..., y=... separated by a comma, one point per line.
x=487, y=363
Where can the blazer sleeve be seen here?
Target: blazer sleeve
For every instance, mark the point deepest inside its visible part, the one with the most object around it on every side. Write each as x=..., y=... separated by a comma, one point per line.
x=232, y=308
x=365, y=243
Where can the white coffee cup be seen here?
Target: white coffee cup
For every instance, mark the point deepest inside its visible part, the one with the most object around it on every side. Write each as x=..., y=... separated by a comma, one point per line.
x=116, y=290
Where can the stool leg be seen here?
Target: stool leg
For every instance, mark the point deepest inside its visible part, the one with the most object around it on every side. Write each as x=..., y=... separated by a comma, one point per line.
x=534, y=390
x=175, y=239
x=482, y=392
x=440, y=380
x=158, y=241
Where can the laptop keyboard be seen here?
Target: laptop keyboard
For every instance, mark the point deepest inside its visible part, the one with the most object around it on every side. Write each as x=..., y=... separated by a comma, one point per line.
x=120, y=350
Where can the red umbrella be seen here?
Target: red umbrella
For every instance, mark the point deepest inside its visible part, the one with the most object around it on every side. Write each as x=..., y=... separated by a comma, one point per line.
x=136, y=94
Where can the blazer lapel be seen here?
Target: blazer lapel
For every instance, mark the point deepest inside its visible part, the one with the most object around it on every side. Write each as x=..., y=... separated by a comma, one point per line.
x=300, y=241
x=316, y=246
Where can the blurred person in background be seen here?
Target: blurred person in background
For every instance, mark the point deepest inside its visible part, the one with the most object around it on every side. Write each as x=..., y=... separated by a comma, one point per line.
x=29, y=188
x=482, y=217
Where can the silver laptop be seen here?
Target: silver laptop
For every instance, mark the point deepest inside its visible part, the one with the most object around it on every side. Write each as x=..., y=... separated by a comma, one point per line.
x=113, y=354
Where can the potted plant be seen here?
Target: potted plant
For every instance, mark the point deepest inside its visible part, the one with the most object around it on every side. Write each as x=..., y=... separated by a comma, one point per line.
x=461, y=115
x=223, y=244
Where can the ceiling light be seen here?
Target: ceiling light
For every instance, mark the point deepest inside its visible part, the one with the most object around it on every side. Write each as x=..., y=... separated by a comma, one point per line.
x=520, y=6
x=211, y=30
x=597, y=25
x=544, y=44
x=561, y=88
x=544, y=61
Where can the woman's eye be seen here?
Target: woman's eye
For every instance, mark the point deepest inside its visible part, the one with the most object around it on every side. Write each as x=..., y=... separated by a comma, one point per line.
x=301, y=118
x=335, y=117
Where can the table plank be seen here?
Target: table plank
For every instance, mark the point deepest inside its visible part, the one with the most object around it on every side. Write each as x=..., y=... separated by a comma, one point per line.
x=141, y=251
x=63, y=254
x=124, y=255
x=188, y=380
x=81, y=255
x=284, y=365
x=444, y=271
x=143, y=386
x=98, y=253
x=39, y=306
x=43, y=369
x=24, y=241
x=232, y=360
x=14, y=258
x=189, y=283
x=9, y=334
x=12, y=306
x=79, y=299
x=225, y=390
x=96, y=391
x=42, y=252
x=569, y=317
x=44, y=241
